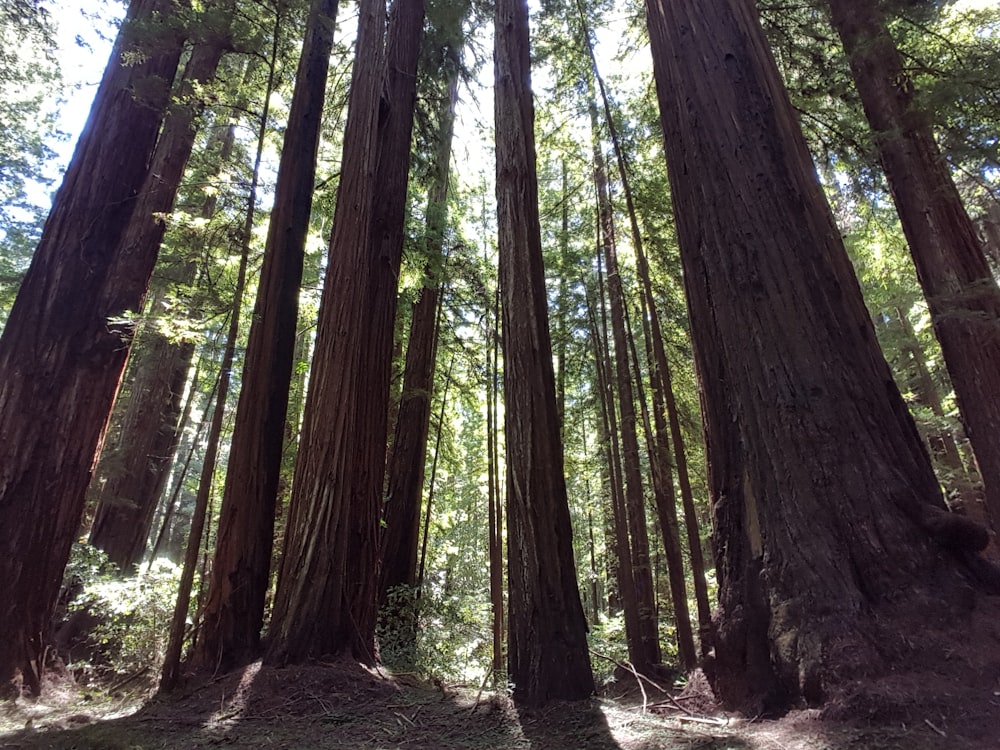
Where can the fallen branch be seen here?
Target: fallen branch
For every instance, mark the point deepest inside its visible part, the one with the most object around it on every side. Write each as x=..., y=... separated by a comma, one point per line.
x=639, y=679
x=123, y=682
x=939, y=731
x=481, y=689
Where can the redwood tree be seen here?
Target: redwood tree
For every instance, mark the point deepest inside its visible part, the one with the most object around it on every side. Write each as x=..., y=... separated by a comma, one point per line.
x=960, y=288
x=405, y=471
x=149, y=431
x=326, y=597
x=547, y=653
x=234, y=611
x=830, y=529
x=65, y=343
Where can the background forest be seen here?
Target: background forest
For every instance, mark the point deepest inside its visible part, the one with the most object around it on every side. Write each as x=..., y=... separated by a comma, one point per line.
x=183, y=533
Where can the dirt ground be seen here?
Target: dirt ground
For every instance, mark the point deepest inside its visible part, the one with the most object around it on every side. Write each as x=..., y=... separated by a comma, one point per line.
x=345, y=705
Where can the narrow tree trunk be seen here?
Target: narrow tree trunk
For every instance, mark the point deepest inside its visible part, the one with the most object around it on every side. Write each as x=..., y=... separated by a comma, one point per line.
x=409, y=454
x=66, y=340
x=658, y=450
x=961, y=292
x=927, y=393
x=171, y=502
x=421, y=565
x=830, y=526
x=660, y=377
x=172, y=659
x=234, y=612
x=646, y=651
x=548, y=656
x=495, y=497
x=621, y=557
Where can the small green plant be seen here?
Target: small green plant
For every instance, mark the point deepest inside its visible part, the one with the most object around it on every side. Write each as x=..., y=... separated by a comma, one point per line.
x=132, y=614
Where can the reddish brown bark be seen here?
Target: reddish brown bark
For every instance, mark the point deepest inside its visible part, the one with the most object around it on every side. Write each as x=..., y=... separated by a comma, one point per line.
x=547, y=652
x=132, y=473
x=961, y=292
x=828, y=516
x=234, y=611
x=129, y=496
x=327, y=590
x=405, y=480
x=65, y=343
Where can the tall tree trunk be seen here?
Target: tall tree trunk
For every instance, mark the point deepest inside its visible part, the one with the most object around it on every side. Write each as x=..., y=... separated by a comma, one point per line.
x=547, y=653
x=140, y=461
x=66, y=340
x=495, y=497
x=327, y=589
x=660, y=378
x=607, y=433
x=645, y=652
x=170, y=672
x=830, y=526
x=961, y=292
x=234, y=611
x=148, y=436
x=658, y=450
x=405, y=483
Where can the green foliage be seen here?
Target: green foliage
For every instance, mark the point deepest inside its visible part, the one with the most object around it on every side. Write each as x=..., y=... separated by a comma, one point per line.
x=29, y=84
x=133, y=613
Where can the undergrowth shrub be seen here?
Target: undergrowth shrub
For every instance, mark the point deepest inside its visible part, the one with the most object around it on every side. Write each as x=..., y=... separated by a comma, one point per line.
x=130, y=616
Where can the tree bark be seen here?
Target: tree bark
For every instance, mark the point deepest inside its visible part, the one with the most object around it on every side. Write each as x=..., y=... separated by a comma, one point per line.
x=961, y=292
x=65, y=343
x=234, y=612
x=135, y=469
x=405, y=482
x=327, y=589
x=149, y=431
x=831, y=532
x=547, y=652
x=644, y=649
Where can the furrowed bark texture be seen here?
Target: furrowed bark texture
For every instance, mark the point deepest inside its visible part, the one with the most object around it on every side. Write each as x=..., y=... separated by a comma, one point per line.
x=326, y=599
x=823, y=495
x=547, y=652
x=961, y=292
x=65, y=343
x=234, y=612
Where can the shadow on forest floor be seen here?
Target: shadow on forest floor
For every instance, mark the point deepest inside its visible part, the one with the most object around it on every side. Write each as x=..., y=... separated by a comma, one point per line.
x=344, y=705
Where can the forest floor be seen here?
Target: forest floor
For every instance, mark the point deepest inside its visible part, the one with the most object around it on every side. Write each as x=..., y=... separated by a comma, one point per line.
x=344, y=705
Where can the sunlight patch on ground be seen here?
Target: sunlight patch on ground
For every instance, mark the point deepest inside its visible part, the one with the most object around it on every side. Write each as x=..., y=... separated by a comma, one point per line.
x=230, y=711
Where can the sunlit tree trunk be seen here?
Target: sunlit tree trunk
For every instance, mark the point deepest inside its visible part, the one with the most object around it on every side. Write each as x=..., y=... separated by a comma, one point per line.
x=406, y=466
x=547, y=652
x=645, y=650
x=326, y=600
x=234, y=611
x=129, y=498
x=65, y=343
x=170, y=672
x=951, y=264
x=830, y=527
